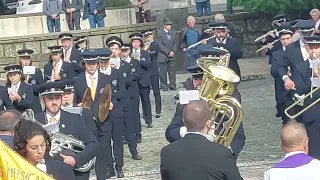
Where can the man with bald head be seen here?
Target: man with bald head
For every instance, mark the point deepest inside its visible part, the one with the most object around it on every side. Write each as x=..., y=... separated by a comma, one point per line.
x=296, y=165
x=221, y=19
x=194, y=156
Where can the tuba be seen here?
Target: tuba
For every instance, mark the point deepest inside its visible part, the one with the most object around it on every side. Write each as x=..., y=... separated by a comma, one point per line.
x=60, y=142
x=216, y=89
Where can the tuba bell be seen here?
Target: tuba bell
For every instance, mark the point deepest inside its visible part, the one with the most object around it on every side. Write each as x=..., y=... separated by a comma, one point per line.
x=60, y=142
x=216, y=89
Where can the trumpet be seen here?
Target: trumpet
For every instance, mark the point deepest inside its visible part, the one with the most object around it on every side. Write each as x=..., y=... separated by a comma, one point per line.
x=196, y=44
x=265, y=35
x=266, y=46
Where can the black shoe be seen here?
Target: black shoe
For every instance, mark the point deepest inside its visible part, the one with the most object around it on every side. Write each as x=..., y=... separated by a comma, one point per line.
x=119, y=172
x=110, y=173
x=150, y=125
x=278, y=115
x=158, y=115
x=173, y=88
x=136, y=156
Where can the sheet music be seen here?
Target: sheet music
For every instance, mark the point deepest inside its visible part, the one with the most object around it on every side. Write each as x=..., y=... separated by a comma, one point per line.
x=29, y=70
x=73, y=110
x=51, y=127
x=186, y=96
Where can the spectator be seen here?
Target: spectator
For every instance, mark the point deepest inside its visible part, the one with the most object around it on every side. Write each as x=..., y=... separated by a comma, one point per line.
x=72, y=9
x=189, y=36
x=52, y=9
x=296, y=164
x=142, y=8
x=203, y=5
x=95, y=11
x=220, y=19
x=8, y=120
x=315, y=15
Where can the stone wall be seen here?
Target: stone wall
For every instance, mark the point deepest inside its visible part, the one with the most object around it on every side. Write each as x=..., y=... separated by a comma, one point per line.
x=39, y=43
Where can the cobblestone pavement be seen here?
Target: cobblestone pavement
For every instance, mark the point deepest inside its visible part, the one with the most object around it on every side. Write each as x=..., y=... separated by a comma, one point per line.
x=261, y=127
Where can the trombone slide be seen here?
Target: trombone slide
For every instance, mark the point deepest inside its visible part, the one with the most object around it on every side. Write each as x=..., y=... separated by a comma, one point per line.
x=266, y=46
x=196, y=44
x=263, y=36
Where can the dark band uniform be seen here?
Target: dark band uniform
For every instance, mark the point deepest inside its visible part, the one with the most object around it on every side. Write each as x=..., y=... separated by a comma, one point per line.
x=103, y=130
x=77, y=41
x=301, y=77
x=116, y=115
x=175, y=130
x=145, y=81
x=24, y=90
x=59, y=170
x=75, y=56
x=133, y=121
x=71, y=124
x=35, y=79
x=232, y=45
x=153, y=50
x=281, y=94
x=5, y=102
x=66, y=70
x=293, y=56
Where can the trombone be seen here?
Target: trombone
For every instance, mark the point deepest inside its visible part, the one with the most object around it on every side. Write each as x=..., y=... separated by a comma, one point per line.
x=200, y=42
x=265, y=35
x=266, y=46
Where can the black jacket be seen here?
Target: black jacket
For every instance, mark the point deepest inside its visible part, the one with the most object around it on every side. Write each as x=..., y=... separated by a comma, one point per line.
x=195, y=157
x=59, y=170
x=100, y=7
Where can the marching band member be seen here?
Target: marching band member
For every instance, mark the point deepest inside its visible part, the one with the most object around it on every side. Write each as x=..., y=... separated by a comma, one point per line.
x=281, y=95
x=145, y=82
x=69, y=124
x=95, y=80
x=153, y=49
x=294, y=54
x=176, y=130
x=132, y=123
x=35, y=79
x=57, y=69
x=33, y=143
x=306, y=79
x=231, y=44
x=20, y=93
x=68, y=94
x=70, y=53
x=81, y=44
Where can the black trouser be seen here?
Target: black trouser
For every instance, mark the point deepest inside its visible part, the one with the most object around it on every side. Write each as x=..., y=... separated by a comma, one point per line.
x=135, y=102
x=167, y=67
x=104, y=160
x=143, y=18
x=314, y=138
x=145, y=101
x=129, y=126
x=75, y=22
x=156, y=92
x=82, y=175
x=280, y=92
x=117, y=138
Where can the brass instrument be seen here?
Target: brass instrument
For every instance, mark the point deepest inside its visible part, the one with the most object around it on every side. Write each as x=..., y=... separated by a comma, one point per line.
x=60, y=142
x=200, y=42
x=266, y=46
x=264, y=36
x=216, y=89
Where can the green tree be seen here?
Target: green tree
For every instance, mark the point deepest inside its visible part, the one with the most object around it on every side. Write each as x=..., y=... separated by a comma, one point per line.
x=293, y=8
x=112, y=3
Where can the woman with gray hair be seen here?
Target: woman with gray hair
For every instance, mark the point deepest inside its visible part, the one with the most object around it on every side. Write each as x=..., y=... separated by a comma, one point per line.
x=315, y=15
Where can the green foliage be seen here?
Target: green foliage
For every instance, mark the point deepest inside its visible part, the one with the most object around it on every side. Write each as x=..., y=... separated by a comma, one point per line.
x=294, y=8
x=112, y=3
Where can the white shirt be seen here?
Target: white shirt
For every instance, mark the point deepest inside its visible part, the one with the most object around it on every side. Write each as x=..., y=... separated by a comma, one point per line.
x=88, y=79
x=115, y=61
x=14, y=88
x=106, y=71
x=70, y=105
x=59, y=67
x=308, y=171
x=224, y=41
x=57, y=116
x=42, y=166
x=128, y=59
x=69, y=50
x=317, y=24
x=136, y=51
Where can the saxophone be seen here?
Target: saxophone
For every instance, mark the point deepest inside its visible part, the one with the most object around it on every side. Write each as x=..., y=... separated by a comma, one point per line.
x=61, y=142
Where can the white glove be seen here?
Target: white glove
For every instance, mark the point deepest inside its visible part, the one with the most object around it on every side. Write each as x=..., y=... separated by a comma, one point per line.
x=230, y=149
x=183, y=131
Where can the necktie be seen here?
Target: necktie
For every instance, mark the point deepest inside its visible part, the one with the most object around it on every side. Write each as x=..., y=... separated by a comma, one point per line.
x=56, y=69
x=27, y=79
x=52, y=120
x=93, y=87
x=68, y=54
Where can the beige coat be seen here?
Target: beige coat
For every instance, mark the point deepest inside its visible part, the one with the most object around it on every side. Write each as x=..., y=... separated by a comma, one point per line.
x=145, y=5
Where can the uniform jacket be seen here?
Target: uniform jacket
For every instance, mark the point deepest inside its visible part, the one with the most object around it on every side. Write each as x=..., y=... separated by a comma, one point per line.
x=77, y=4
x=59, y=170
x=100, y=7
x=173, y=130
x=277, y=58
x=76, y=59
x=73, y=124
x=135, y=71
x=5, y=102
x=145, y=64
x=118, y=92
x=80, y=86
x=125, y=69
x=234, y=47
x=166, y=45
x=35, y=80
x=25, y=91
x=154, y=51
x=184, y=33
x=292, y=57
x=193, y=157
x=66, y=71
